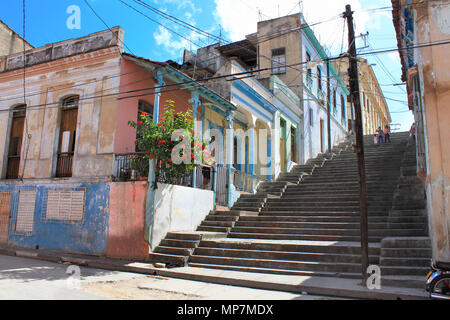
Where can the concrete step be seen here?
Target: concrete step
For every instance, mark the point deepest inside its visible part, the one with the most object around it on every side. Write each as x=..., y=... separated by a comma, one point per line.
x=310, y=237
x=216, y=223
x=406, y=242
x=404, y=271
x=174, y=250
x=178, y=243
x=352, y=248
x=327, y=224
x=299, y=218
x=221, y=229
x=404, y=262
x=327, y=231
x=277, y=271
x=169, y=259
x=280, y=255
x=277, y=264
x=216, y=217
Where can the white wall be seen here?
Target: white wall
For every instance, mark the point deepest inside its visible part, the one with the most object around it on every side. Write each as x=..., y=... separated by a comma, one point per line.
x=179, y=208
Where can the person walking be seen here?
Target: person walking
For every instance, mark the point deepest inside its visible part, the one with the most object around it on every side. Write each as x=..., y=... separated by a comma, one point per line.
x=412, y=131
x=387, y=134
x=380, y=135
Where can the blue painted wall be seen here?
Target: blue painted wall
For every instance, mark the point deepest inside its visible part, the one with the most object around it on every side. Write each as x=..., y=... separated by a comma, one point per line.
x=87, y=236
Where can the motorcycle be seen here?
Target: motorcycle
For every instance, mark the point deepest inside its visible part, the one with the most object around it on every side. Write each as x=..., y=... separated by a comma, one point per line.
x=438, y=280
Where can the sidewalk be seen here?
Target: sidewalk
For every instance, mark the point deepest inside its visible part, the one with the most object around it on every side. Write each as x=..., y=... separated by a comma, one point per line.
x=338, y=287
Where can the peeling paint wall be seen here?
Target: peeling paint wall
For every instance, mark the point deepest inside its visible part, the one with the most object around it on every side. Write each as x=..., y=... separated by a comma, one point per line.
x=137, y=78
x=127, y=221
x=432, y=24
x=87, y=75
x=86, y=236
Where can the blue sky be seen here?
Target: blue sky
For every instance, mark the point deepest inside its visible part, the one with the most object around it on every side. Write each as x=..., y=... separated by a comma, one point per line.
x=232, y=19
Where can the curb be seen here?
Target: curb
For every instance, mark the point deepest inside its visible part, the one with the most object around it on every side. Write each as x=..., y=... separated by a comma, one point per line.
x=149, y=269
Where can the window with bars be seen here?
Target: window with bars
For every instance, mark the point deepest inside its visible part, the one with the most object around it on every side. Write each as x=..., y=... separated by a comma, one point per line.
x=65, y=205
x=25, y=211
x=278, y=60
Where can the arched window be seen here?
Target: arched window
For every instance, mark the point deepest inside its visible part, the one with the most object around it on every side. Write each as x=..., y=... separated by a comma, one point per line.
x=15, y=141
x=67, y=136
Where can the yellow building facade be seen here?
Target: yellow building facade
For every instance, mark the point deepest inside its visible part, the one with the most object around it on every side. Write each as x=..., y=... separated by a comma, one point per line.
x=374, y=109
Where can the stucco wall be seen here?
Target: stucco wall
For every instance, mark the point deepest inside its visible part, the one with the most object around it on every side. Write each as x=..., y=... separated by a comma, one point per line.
x=10, y=41
x=87, y=75
x=133, y=78
x=179, y=208
x=433, y=25
x=127, y=221
x=86, y=236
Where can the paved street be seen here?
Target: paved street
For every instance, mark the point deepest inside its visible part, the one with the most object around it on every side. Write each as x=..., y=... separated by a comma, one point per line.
x=22, y=278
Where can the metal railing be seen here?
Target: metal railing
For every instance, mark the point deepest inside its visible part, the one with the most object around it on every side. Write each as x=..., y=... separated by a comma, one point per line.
x=12, y=171
x=246, y=182
x=131, y=167
x=64, y=164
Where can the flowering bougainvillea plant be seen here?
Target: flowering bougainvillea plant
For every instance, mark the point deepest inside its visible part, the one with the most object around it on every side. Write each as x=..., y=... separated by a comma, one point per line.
x=172, y=143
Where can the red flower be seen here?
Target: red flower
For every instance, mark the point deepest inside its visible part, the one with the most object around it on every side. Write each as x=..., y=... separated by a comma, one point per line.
x=152, y=156
x=135, y=142
x=156, y=168
x=144, y=114
x=146, y=151
x=139, y=122
x=192, y=155
x=163, y=119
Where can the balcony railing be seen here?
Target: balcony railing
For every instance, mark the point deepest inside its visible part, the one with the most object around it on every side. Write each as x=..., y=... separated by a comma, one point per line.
x=64, y=165
x=12, y=171
x=131, y=166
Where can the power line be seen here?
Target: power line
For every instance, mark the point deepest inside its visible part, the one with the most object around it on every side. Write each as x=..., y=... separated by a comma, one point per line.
x=98, y=16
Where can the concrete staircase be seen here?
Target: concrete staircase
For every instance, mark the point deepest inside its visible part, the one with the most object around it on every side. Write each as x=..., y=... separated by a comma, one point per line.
x=307, y=222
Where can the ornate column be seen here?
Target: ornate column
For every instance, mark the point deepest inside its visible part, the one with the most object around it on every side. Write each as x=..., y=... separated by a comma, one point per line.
x=229, y=144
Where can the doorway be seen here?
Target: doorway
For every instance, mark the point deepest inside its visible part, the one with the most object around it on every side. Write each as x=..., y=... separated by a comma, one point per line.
x=15, y=142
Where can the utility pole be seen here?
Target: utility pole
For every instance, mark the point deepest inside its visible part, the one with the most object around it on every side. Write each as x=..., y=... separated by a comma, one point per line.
x=359, y=147
x=328, y=106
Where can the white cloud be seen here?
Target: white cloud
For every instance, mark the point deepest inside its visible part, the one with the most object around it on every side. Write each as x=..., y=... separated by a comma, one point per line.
x=239, y=17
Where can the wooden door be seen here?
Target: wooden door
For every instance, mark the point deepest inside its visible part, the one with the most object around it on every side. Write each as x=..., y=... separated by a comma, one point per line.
x=15, y=144
x=5, y=205
x=67, y=138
